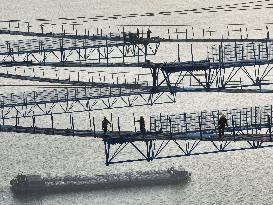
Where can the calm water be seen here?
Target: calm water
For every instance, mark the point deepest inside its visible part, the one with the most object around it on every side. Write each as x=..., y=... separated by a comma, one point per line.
x=244, y=177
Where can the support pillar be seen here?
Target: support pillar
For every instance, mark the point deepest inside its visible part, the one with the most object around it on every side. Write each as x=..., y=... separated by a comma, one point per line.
x=107, y=152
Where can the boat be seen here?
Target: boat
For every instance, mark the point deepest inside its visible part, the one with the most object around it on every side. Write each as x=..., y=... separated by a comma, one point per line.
x=36, y=183
x=27, y=183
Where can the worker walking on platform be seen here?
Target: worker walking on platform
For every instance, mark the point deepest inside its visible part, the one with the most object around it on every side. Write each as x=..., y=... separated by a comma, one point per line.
x=149, y=33
x=131, y=37
x=142, y=124
x=222, y=123
x=105, y=123
x=124, y=37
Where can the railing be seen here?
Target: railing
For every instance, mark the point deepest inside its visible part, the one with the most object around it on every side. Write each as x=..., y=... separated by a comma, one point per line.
x=249, y=118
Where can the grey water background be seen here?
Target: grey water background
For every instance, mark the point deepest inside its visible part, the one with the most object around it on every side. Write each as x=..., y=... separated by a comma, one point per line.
x=228, y=178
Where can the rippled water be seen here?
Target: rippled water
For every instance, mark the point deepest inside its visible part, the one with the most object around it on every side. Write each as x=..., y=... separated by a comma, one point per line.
x=243, y=177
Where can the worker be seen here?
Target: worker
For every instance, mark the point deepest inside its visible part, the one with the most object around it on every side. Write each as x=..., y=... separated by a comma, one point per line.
x=124, y=37
x=105, y=123
x=222, y=123
x=149, y=33
x=142, y=124
x=137, y=32
x=130, y=37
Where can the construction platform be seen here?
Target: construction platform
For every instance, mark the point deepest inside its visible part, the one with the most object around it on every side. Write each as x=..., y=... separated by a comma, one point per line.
x=186, y=130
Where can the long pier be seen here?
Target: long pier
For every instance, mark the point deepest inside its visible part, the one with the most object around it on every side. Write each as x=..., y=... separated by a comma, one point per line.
x=118, y=37
x=186, y=130
x=51, y=51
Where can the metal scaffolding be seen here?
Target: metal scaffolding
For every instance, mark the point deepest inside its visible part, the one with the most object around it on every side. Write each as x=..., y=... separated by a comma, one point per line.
x=185, y=131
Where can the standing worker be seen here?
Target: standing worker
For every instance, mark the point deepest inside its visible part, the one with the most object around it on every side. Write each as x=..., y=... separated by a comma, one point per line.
x=222, y=123
x=137, y=32
x=149, y=33
x=105, y=123
x=142, y=124
x=130, y=37
x=124, y=37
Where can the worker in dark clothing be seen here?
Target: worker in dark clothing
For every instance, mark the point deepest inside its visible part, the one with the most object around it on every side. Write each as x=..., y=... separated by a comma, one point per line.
x=130, y=37
x=124, y=37
x=142, y=124
x=222, y=123
x=149, y=33
x=105, y=123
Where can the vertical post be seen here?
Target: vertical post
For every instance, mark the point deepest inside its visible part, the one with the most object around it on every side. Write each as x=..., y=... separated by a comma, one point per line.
x=107, y=52
x=16, y=124
x=28, y=26
x=233, y=126
x=138, y=55
x=145, y=55
x=235, y=50
x=178, y=53
x=3, y=118
x=62, y=51
x=270, y=123
x=191, y=54
x=94, y=126
x=33, y=123
x=269, y=126
x=107, y=152
x=44, y=57
x=170, y=122
x=123, y=52
x=149, y=150
x=72, y=124
x=151, y=123
x=259, y=51
x=118, y=127
x=90, y=121
x=52, y=122
x=134, y=121
x=251, y=116
x=200, y=127
x=240, y=119
x=246, y=123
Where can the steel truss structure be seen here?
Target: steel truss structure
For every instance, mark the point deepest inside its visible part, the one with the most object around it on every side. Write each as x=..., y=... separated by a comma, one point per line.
x=63, y=52
x=238, y=66
x=170, y=136
x=73, y=100
x=189, y=131
x=150, y=150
